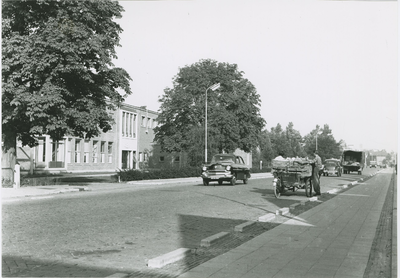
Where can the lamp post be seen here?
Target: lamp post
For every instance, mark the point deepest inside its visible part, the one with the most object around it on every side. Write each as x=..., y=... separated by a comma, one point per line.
x=212, y=87
x=316, y=140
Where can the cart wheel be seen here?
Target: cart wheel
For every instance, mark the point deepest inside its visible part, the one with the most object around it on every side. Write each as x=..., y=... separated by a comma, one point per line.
x=219, y=182
x=205, y=183
x=233, y=180
x=308, y=187
x=277, y=189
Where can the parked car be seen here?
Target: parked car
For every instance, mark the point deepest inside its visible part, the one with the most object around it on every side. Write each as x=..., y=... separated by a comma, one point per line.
x=332, y=167
x=372, y=164
x=225, y=167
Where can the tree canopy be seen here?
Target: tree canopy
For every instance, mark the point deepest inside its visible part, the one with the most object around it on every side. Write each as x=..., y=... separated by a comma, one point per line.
x=327, y=145
x=233, y=120
x=57, y=72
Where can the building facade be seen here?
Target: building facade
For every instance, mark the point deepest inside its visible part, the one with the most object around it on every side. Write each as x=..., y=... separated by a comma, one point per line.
x=126, y=146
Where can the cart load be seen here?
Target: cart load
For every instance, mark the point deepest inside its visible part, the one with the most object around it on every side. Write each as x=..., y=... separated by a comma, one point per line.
x=292, y=174
x=299, y=165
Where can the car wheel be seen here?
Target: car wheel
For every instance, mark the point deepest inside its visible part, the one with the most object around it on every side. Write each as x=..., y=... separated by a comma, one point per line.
x=277, y=189
x=246, y=180
x=219, y=182
x=308, y=187
x=338, y=173
x=233, y=180
x=205, y=182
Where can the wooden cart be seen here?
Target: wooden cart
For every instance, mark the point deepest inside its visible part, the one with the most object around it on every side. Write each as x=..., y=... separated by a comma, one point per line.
x=292, y=175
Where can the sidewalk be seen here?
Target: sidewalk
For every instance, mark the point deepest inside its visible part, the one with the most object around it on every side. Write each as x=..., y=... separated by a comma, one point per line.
x=333, y=239
x=36, y=191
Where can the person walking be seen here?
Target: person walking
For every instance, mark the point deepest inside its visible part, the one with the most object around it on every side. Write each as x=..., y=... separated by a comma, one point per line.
x=317, y=168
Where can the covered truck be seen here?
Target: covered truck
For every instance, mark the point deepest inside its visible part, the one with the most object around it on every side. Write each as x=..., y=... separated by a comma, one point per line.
x=353, y=161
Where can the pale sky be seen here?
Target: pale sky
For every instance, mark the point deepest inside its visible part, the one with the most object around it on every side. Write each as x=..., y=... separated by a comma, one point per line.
x=312, y=62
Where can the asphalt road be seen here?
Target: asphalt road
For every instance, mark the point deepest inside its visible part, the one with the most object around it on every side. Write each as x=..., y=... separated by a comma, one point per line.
x=101, y=233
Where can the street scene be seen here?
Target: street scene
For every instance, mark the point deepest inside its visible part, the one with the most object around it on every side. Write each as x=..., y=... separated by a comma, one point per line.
x=194, y=139
x=115, y=228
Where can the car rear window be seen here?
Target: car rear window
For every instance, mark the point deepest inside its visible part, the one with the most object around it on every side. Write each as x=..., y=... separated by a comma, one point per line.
x=220, y=158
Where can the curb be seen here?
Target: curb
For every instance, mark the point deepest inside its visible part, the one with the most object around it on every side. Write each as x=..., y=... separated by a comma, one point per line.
x=240, y=228
x=266, y=218
x=207, y=242
x=168, y=258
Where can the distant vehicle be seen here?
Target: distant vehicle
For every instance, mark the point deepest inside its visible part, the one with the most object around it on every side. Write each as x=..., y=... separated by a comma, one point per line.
x=353, y=161
x=332, y=167
x=225, y=167
x=373, y=164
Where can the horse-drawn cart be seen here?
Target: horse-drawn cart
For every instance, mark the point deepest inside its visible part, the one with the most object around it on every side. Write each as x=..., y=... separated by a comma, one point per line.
x=292, y=174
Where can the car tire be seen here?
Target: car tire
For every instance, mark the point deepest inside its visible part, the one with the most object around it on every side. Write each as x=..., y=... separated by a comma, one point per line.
x=219, y=182
x=246, y=180
x=277, y=189
x=233, y=180
x=205, y=183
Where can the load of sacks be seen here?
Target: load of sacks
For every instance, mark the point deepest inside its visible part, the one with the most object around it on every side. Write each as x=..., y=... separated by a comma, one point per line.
x=290, y=162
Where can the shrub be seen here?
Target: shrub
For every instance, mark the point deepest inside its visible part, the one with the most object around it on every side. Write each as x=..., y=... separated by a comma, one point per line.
x=258, y=170
x=165, y=173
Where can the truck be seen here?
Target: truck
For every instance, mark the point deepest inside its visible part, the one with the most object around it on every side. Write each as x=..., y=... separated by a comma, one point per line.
x=353, y=161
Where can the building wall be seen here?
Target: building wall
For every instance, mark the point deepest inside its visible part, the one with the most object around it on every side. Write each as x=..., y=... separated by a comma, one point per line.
x=128, y=145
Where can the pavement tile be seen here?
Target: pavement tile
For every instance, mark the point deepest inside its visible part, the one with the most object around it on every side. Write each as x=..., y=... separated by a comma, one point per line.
x=265, y=269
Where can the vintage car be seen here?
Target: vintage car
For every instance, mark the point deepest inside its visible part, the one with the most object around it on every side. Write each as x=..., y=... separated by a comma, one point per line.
x=332, y=167
x=225, y=167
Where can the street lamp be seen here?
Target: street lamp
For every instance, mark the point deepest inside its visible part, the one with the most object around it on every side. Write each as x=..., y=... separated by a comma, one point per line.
x=212, y=87
x=316, y=139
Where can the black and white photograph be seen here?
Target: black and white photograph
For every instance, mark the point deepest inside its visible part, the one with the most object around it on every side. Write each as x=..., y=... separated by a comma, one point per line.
x=199, y=139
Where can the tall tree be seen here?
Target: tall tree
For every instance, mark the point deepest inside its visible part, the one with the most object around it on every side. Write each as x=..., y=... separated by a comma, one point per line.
x=57, y=76
x=294, y=142
x=233, y=120
x=279, y=141
x=327, y=145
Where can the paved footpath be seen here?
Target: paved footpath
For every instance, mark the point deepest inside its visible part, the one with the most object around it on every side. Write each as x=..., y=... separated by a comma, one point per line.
x=333, y=239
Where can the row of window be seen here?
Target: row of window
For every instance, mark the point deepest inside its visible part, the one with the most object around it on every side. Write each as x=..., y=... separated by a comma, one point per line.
x=93, y=151
x=128, y=122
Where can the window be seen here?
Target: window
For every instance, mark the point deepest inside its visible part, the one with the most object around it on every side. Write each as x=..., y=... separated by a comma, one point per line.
x=95, y=151
x=110, y=152
x=86, y=148
x=41, y=150
x=77, y=151
x=177, y=158
x=128, y=124
x=70, y=151
x=103, y=152
x=123, y=123
x=57, y=154
x=162, y=159
x=148, y=123
x=143, y=121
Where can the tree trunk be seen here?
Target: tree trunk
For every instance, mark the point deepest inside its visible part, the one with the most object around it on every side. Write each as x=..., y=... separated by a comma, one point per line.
x=8, y=158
